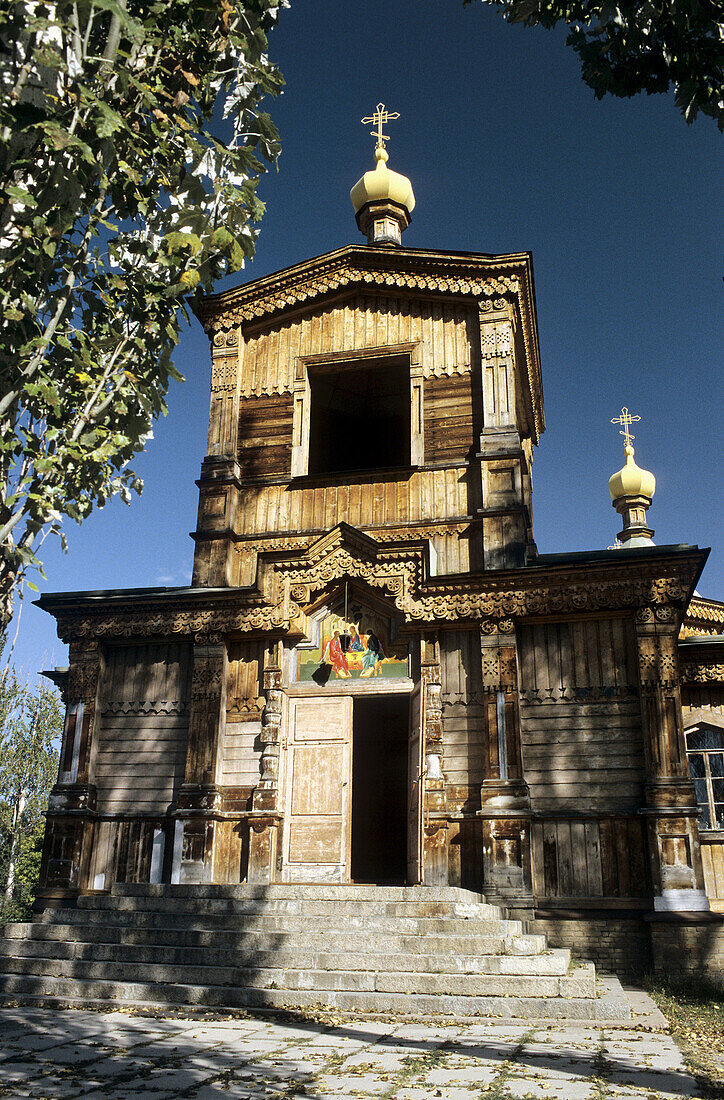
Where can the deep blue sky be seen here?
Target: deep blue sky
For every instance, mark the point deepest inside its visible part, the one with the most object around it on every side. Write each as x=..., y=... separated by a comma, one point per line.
x=619, y=202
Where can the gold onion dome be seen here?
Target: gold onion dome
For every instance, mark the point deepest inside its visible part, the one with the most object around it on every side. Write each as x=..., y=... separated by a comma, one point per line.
x=631, y=480
x=383, y=200
x=382, y=185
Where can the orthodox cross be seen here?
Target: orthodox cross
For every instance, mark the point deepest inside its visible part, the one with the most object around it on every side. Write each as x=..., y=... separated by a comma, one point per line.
x=626, y=419
x=378, y=117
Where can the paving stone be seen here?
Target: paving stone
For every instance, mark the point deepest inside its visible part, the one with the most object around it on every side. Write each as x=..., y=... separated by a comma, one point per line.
x=97, y=1057
x=525, y=1087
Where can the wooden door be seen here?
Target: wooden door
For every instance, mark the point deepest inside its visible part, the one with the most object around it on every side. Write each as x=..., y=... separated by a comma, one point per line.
x=318, y=769
x=415, y=786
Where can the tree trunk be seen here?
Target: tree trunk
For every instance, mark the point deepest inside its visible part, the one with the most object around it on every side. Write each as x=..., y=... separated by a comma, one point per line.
x=14, y=837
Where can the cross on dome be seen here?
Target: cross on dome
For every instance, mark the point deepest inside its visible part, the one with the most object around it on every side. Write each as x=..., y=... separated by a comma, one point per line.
x=378, y=118
x=626, y=419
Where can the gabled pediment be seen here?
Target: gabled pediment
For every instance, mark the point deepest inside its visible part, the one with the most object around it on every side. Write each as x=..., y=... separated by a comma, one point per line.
x=294, y=579
x=490, y=283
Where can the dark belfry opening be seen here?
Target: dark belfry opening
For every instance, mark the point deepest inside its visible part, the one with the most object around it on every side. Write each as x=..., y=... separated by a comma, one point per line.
x=379, y=789
x=360, y=417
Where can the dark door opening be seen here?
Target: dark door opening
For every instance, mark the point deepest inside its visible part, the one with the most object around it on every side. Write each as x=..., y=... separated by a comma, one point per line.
x=379, y=789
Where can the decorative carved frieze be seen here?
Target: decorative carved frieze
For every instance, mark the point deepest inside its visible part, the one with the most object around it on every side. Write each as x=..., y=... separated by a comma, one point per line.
x=223, y=375
x=290, y=579
x=695, y=671
x=83, y=674
x=338, y=275
x=145, y=706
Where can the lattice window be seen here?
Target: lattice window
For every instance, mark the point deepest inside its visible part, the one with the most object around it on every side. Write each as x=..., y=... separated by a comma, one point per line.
x=705, y=748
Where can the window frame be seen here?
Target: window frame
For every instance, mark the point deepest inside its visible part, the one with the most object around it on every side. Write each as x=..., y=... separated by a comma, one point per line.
x=711, y=802
x=302, y=397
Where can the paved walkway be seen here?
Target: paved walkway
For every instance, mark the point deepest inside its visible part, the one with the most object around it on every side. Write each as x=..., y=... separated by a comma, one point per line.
x=47, y=1054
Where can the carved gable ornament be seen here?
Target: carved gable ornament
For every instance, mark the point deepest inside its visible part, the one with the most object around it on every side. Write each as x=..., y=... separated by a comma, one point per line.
x=289, y=582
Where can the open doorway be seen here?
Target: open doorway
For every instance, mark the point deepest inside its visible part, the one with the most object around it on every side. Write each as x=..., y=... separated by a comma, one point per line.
x=379, y=789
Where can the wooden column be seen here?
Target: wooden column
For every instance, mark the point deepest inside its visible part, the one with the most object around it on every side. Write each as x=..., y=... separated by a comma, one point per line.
x=505, y=458
x=70, y=819
x=199, y=800
x=504, y=795
x=434, y=808
x=226, y=365
x=671, y=811
x=266, y=809
x=220, y=474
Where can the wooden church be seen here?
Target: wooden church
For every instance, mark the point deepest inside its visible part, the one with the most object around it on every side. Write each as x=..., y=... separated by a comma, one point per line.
x=374, y=676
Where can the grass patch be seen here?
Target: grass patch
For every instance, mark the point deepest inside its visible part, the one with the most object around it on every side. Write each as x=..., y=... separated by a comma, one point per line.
x=695, y=1011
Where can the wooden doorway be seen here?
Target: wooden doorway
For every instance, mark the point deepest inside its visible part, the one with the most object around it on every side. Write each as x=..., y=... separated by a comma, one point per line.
x=352, y=778
x=318, y=768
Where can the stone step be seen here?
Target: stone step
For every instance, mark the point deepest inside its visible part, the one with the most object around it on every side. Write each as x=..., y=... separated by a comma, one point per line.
x=550, y=963
x=164, y=913
x=335, y=910
x=281, y=891
x=580, y=982
x=610, y=1004
x=241, y=939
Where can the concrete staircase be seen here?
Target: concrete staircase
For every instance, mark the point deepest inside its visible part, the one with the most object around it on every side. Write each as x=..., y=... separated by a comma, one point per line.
x=406, y=950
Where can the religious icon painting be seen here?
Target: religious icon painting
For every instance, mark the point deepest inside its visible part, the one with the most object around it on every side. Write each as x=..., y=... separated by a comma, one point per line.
x=359, y=647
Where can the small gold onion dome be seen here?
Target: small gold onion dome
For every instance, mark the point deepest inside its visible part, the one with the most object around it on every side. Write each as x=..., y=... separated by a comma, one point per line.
x=381, y=184
x=631, y=480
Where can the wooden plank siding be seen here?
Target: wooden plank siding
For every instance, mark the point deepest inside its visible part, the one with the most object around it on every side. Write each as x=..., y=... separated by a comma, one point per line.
x=274, y=511
x=581, y=732
x=361, y=322
x=141, y=737
x=712, y=858
x=583, y=760
x=451, y=418
x=240, y=755
x=265, y=435
x=244, y=699
x=462, y=717
x=589, y=858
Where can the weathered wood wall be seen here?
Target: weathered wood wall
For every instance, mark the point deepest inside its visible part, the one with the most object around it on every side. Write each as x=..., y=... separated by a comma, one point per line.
x=581, y=730
x=712, y=857
x=462, y=717
x=240, y=755
x=709, y=695
x=277, y=512
x=447, y=330
x=140, y=749
x=597, y=857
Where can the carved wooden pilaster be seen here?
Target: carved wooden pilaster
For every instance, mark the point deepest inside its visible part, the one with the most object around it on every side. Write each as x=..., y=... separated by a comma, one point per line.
x=504, y=796
x=434, y=809
x=226, y=350
x=86, y=664
x=68, y=835
x=265, y=823
x=267, y=790
x=496, y=353
x=199, y=797
x=674, y=852
x=207, y=710
x=504, y=460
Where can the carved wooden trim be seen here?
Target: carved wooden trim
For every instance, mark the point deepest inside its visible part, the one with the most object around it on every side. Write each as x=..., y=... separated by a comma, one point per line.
x=694, y=671
x=288, y=580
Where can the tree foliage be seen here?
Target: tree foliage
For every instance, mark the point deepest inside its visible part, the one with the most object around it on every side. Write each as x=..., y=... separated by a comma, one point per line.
x=131, y=145
x=31, y=726
x=640, y=46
